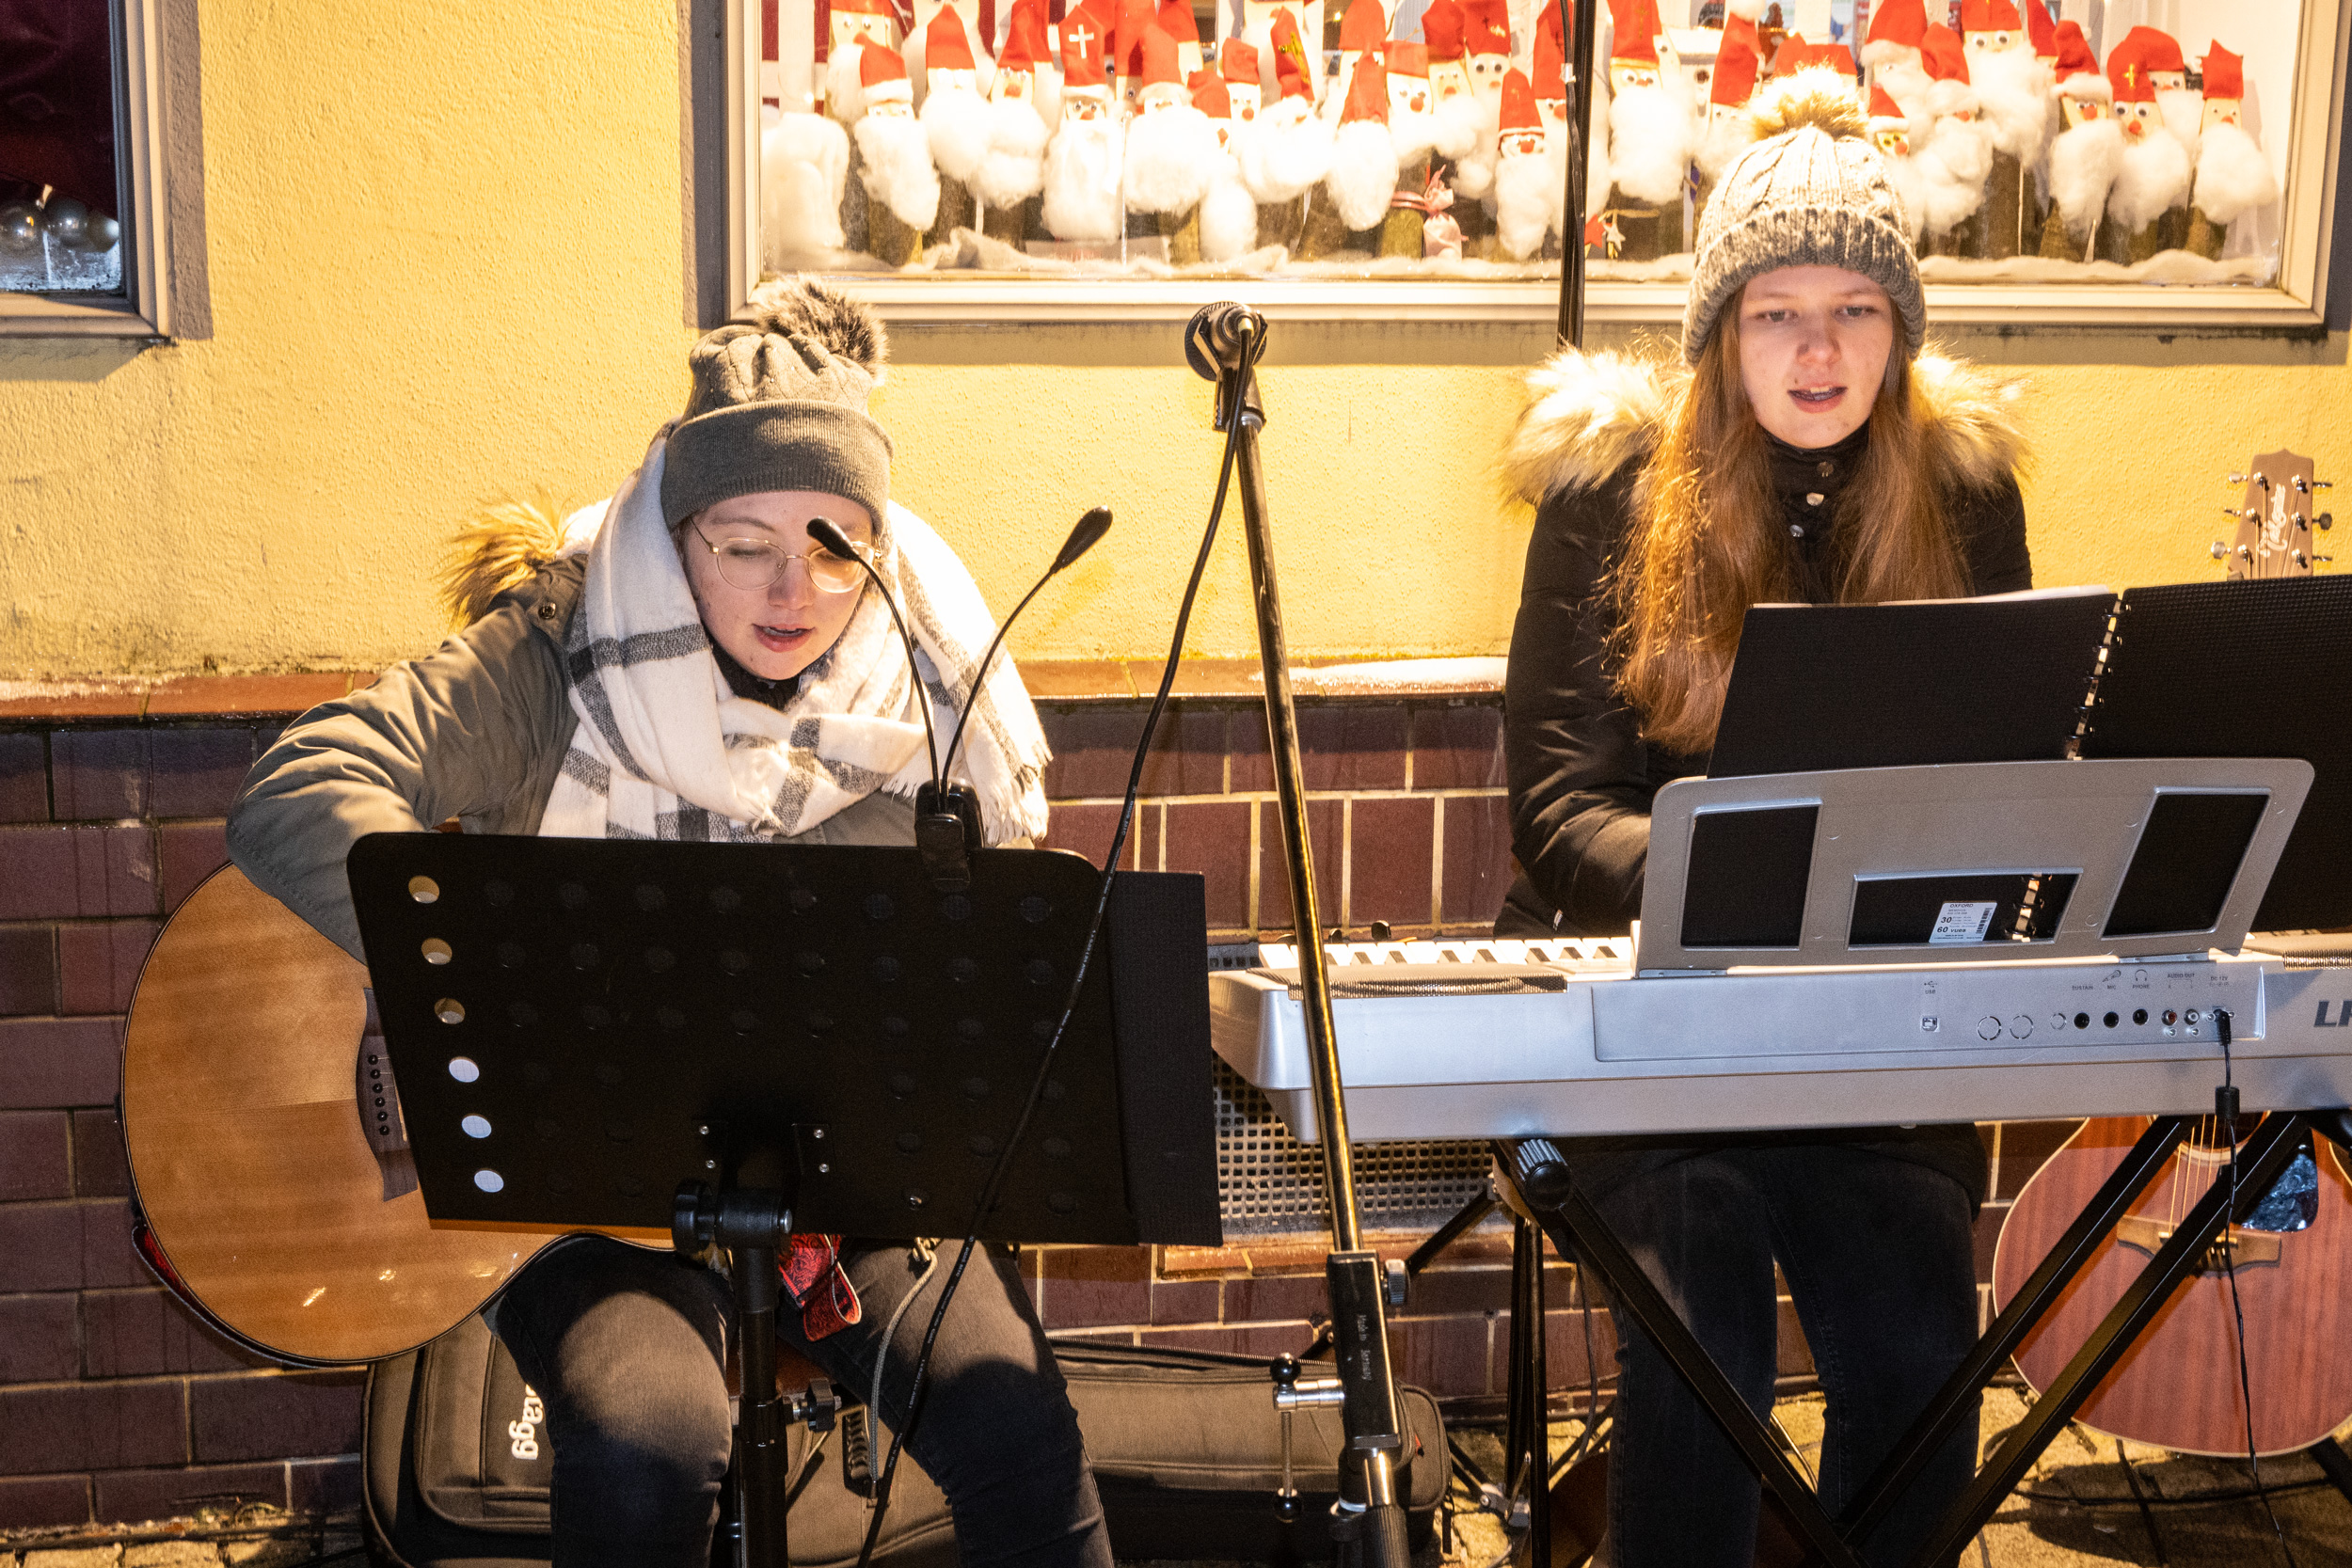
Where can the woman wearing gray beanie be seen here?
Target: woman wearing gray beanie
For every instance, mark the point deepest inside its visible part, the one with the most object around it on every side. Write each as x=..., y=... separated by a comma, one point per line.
x=684, y=661
x=1805, y=449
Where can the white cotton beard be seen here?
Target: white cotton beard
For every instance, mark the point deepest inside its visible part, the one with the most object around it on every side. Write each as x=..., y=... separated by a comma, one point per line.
x=1082, y=180
x=2184, y=113
x=1722, y=142
x=2233, y=176
x=2153, y=175
x=1363, y=173
x=1414, y=134
x=1649, y=143
x=1524, y=203
x=804, y=170
x=1014, y=169
x=1454, y=135
x=1474, y=170
x=844, y=87
x=2013, y=95
x=1045, y=85
x=1284, y=153
x=1911, y=185
x=2083, y=164
x=1909, y=85
x=1171, y=156
x=899, y=171
x=956, y=120
x=1229, y=214
x=1952, y=169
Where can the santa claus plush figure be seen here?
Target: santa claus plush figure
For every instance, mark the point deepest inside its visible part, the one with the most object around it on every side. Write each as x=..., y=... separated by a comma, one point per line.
x=1527, y=193
x=1651, y=136
x=1262, y=27
x=1487, y=47
x=1362, y=176
x=955, y=117
x=2013, y=93
x=1012, y=175
x=1459, y=113
x=1891, y=52
x=2153, y=175
x=2182, y=108
x=1287, y=150
x=1175, y=19
x=1738, y=64
x=1125, y=60
x=1237, y=67
x=1082, y=164
x=1890, y=133
x=895, y=159
x=804, y=174
x=2234, y=175
x=2041, y=29
x=2086, y=153
x=1958, y=154
x=1228, y=215
x=1172, y=150
x=852, y=25
x=1363, y=30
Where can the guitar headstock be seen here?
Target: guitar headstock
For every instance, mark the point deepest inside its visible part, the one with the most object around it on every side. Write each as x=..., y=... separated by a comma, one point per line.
x=2278, y=519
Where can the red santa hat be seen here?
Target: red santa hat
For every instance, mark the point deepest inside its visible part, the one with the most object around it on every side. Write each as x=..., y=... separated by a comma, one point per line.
x=1158, y=51
x=1441, y=28
x=2159, y=50
x=1363, y=29
x=1368, y=88
x=1988, y=16
x=1487, y=26
x=1884, y=109
x=2076, y=73
x=1134, y=20
x=1209, y=95
x=1025, y=38
x=945, y=46
x=1408, y=60
x=1796, y=55
x=1237, y=61
x=1940, y=51
x=2044, y=30
x=863, y=8
x=1900, y=23
x=1175, y=19
x=883, y=75
x=2127, y=74
x=1550, y=80
x=2225, y=72
x=1100, y=15
x=1519, y=104
x=1736, y=67
x=1081, y=52
x=1290, y=60
x=1633, y=32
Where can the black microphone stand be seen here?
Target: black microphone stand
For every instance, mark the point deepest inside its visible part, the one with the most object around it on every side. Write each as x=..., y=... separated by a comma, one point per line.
x=1224, y=344
x=1577, y=21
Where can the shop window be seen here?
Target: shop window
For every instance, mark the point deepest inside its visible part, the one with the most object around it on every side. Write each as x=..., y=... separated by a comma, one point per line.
x=80, y=172
x=2161, y=161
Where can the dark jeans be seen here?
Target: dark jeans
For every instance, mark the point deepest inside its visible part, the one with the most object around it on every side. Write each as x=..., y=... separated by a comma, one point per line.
x=626, y=1348
x=1880, y=1263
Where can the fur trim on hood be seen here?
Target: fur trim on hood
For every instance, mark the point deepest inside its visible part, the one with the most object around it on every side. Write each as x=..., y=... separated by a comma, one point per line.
x=1590, y=414
x=494, y=552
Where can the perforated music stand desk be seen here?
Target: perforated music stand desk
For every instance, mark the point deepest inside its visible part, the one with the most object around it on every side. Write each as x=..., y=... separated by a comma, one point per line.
x=579, y=1026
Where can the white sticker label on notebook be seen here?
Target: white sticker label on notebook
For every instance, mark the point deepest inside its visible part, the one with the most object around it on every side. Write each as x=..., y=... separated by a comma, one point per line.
x=1959, y=923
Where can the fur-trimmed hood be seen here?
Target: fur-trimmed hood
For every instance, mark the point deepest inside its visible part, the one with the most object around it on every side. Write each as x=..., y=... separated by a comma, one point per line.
x=1590, y=414
x=504, y=548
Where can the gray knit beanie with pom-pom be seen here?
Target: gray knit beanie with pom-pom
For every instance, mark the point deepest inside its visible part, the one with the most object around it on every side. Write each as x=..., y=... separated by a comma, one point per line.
x=1812, y=193
x=780, y=404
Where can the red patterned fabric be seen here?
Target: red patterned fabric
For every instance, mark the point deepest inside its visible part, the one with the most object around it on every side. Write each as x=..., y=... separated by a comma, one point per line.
x=811, y=1267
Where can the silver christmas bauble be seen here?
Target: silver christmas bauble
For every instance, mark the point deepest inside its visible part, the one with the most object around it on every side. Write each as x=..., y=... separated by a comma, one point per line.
x=20, y=228
x=100, y=235
x=67, y=220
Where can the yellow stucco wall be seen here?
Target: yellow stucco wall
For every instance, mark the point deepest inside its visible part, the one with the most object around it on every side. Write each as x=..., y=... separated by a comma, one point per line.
x=445, y=268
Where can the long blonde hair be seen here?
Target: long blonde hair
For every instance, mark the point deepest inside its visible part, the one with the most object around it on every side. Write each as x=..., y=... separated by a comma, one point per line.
x=1707, y=540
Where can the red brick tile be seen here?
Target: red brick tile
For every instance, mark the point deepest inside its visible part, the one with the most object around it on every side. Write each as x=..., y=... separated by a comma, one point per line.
x=1087, y=829
x=1986, y=1233
x=1324, y=822
x=37, y=1338
x=29, y=1502
x=108, y=1256
x=325, y=1485
x=293, y=1415
x=91, y=870
x=99, y=775
x=1187, y=755
x=1445, y=1355
x=129, y=1496
x=1094, y=1286
x=1341, y=745
x=1093, y=749
x=1457, y=746
x=101, y=1166
x=1212, y=838
x=1260, y=1298
x=23, y=777
x=98, y=963
x=1219, y=1341
x=1441, y=1293
x=191, y=851
x=66, y=1246
x=1477, y=867
x=91, y=1426
x=1564, y=1366
x=197, y=772
x=1184, y=1300
x=28, y=969
x=100, y=699
x=225, y=695
x=2025, y=1145
x=53, y=1063
x=1390, y=842
x=34, y=1161
x=148, y=1334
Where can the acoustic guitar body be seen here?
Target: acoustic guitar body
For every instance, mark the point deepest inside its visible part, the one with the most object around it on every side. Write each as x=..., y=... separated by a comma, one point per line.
x=248, y=1153
x=2178, y=1388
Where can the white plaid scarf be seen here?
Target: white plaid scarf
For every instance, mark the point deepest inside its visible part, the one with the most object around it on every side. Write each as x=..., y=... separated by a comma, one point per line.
x=665, y=749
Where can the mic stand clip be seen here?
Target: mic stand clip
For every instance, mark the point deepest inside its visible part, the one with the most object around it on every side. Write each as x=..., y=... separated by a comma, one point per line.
x=946, y=830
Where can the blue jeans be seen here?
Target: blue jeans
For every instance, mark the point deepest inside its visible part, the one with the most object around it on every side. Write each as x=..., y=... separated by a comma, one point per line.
x=627, y=1347
x=1880, y=1264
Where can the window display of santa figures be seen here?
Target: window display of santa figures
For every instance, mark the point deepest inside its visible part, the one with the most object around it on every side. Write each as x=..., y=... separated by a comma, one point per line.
x=1651, y=136
x=1172, y=153
x=2013, y=99
x=2085, y=154
x=1957, y=158
x=1738, y=62
x=1082, y=162
x=1229, y=217
x=1527, y=193
x=1891, y=52
x=1346, y=210
x=2152, y=177
x=1414, y=132
x=1013, y=177
x=956, y=119
x=804, y=176
x=1363, y=30
x=893, y=158
x=1890, y=133
x=1237, y=65
x=2233, y=176
x=1287, y=150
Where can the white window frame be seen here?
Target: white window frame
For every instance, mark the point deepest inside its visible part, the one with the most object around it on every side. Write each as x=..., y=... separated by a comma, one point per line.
x=2296, y=301
x=139, y=131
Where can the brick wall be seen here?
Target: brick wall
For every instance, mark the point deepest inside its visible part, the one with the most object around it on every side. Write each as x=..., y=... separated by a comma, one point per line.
x=116, y=1405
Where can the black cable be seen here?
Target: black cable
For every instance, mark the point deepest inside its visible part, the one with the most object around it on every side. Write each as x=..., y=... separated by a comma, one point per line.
x=2227, y=1102
x=900, y=1431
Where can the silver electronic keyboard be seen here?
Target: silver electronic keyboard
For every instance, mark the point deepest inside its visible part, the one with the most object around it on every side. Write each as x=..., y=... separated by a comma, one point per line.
x=2070, y=1011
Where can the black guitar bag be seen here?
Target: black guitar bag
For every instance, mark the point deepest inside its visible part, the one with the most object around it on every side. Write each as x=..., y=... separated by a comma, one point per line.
x=1186, y=1449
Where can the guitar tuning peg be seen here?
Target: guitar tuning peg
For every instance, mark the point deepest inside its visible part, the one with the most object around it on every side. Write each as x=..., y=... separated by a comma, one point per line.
x=2298, y=558
x=2302, y=484
x=2260, y=480
x=2326, y=519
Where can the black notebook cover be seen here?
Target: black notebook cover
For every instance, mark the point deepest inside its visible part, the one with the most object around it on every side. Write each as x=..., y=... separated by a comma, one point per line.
x=1903, y=685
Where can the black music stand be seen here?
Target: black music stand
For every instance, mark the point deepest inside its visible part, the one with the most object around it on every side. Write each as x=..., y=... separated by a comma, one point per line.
x=726, y=1043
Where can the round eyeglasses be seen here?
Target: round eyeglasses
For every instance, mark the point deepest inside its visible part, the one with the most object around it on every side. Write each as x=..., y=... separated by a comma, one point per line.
x=755, y=564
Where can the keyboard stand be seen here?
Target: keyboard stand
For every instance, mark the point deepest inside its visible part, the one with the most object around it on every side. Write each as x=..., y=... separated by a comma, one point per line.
x=1534, y=1170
